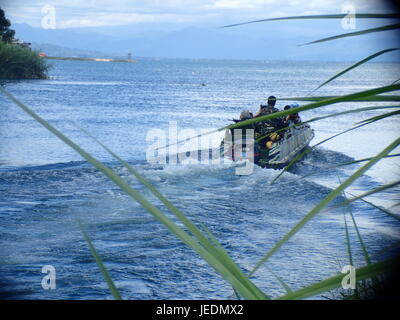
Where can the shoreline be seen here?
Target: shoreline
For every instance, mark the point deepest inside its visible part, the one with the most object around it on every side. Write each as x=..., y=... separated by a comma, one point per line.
x=89, y=59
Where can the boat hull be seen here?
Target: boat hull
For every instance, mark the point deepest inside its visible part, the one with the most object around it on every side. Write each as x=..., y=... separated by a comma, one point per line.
x=273, y=154
x=294, y=141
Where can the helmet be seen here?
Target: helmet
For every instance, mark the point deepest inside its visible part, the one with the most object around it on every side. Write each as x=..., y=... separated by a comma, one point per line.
x=271, y=100
x=245, y=114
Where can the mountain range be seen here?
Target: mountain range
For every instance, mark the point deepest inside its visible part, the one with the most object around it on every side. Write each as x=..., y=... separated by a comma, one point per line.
x=257, y=41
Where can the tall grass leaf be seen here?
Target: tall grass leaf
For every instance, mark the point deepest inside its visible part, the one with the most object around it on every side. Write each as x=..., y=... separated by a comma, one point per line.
x=190, y=138
x=357, y=110
x=357, y=33
x=366, y=272
x=348, y=246
x=214, y=248
x=113, y=289
x=332, y=115
x=355, y=65
x=386, y=211
x=319, y=102
x=393, y=247
x=218, y=246
x=347, y=163
x=324, y=16
x=247, y=291
x=360, y=240
x=308, y=150
x=371, y=98
x=362, y=244
x=362, y=160
x=380, y=117
x=282, y=283
x=323, y=101
x=368, y=193
x=348, y=243
x=322, y=204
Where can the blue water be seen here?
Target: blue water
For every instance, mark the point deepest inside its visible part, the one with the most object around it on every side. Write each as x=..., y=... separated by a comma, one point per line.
x=46, y=188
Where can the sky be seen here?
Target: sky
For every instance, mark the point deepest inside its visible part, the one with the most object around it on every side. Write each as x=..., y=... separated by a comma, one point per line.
x=190, y=28
x=100, y=13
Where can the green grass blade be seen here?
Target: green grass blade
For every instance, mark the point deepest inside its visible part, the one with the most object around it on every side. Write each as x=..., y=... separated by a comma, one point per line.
x=347, y=163
x=292, y=162
x=357, y=33
x=335, y=16
x=362, y=244
x=215, y=249
x=336, y=114
x=238, y=284
x=396, y=81
x=282, y=283
x=324, y=16
x=322, y=101
x=222, y=250
x=368, y=193
x=322, y=204
x=371, y=98
x=319, y=102
x=348, y=243
x=386, y=211
x=113, y=289
x=357, y=110
x=372, y=56
x=190, y=138
x=308, y=150
x=393, y=247
x=361, y=160
x=366, y=272
x=380, y=117
x=348, y=246
x=360, y=240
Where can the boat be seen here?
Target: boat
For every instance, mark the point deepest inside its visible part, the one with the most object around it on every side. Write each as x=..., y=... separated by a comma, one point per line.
x=275, y=151
x=268, y=146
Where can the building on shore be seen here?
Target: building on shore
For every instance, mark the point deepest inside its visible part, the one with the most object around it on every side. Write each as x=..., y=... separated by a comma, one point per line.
x=21, y=43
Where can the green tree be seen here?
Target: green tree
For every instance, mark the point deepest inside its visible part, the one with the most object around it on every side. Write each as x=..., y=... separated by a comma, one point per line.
x=6, y=34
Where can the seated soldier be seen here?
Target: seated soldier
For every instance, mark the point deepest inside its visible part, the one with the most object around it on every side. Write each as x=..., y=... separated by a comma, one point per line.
x=245, y=114
x=237, y=133
x=268, y=108
x=292, y=118
x=269, y=125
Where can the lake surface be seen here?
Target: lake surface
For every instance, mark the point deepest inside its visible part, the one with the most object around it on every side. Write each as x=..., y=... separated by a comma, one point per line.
x=46, y=188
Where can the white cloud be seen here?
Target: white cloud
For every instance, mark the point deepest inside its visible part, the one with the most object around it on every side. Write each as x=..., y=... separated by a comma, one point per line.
x=97, y=20
x=78, y=13
x=234, y=4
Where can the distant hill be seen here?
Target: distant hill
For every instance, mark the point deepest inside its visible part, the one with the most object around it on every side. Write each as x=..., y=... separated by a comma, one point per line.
x=271, y=41
x=59, y=51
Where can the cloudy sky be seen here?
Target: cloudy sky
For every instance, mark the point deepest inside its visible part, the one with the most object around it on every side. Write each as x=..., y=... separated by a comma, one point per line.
x=95, y=13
